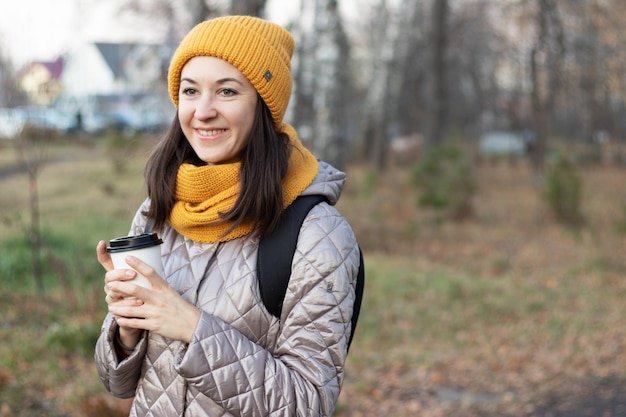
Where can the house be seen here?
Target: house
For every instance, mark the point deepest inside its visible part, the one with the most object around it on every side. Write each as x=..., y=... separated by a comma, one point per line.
x=102, y=81
x=103, y=68
x=97, y=69
x=40, y=81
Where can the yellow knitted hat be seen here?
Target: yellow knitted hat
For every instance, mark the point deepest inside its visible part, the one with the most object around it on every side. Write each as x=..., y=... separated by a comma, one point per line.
x=261, y=50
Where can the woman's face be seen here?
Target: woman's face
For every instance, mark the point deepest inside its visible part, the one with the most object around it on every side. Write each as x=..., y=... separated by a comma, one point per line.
x=216, y=109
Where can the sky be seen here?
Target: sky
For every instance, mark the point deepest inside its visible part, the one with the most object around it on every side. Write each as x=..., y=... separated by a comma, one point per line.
x=30, y=28
x=43, y=29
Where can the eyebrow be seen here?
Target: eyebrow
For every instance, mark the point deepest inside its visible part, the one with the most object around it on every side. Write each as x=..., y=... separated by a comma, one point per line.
x=220, y=81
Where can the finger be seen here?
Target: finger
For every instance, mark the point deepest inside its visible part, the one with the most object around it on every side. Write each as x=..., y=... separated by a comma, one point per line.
x=113, y=297
x=120, y=301
x=124, y=311
x=126, y=289
x=146, y=270
x=131, y=322
x=129, y=317
x=103, y=256
x=119, y=275
x=109, y=298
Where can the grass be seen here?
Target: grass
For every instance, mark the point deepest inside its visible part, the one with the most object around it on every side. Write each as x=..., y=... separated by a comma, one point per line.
x=47, y=368
x=505, y=314
x=509, y=306
x=427, y=331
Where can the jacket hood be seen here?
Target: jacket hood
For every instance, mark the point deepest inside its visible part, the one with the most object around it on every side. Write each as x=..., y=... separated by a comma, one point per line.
x=328, y=182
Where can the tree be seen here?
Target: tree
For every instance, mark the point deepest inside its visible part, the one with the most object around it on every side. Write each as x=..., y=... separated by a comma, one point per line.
x=546, y=60
x=438, y=102
x=381, y=39
x=438, y=67
x=594, y=87
x=473, y=54
x=321, y=83
x=176, y=18
x=9, y=91
x=331, y=52
x=32, y=154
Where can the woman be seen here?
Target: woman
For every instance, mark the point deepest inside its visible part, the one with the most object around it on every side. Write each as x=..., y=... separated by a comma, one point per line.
x=200, y=342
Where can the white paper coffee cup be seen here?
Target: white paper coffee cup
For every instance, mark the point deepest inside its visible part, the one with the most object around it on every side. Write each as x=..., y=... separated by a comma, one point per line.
x=146, y=247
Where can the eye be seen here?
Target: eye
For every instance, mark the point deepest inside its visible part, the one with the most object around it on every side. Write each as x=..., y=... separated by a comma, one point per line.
x=188, y=91
x=227, y=92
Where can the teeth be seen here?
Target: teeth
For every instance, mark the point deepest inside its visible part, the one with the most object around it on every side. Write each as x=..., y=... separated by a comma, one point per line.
x=211, y=132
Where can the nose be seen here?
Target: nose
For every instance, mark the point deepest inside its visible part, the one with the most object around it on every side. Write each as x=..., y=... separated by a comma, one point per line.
x=205, y=108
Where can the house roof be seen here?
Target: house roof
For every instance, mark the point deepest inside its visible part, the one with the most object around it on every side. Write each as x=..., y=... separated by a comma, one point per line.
x=113, y=54
x=55, y=67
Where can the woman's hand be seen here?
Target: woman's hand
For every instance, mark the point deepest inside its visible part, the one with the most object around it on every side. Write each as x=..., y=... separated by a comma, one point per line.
x=128, y=336
x=158, y=309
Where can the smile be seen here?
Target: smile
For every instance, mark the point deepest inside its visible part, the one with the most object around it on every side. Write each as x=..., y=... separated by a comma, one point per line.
x=212, y=132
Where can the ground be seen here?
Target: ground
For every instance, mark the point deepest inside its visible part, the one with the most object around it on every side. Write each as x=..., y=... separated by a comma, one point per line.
x=507, y=313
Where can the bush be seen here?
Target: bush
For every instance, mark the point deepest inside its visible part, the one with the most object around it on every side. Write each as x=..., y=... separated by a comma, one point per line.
x=371, y=180
x=444, y=181
x=620, y=224
x=72, y=338
x=563, y=192
x=119, y=148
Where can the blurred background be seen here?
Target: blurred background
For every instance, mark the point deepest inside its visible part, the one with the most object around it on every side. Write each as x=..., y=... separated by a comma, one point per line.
x=484, y=142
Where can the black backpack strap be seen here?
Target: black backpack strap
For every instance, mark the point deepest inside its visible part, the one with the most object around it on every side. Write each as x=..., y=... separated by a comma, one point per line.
x=360, y=285
x=276, y=252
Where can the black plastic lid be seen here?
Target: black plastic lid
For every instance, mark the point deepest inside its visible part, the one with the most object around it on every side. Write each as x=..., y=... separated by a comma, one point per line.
x=126, y=243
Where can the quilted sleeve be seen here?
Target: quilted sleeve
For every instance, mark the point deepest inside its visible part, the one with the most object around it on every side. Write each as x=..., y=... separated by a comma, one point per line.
x=120, y=378
x=303, y=374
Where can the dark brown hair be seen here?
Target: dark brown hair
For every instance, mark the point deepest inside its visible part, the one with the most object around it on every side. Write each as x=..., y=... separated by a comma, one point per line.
x=264, y=163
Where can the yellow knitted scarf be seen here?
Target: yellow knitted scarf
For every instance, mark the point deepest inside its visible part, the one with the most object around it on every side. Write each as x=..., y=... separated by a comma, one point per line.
x=203, y=192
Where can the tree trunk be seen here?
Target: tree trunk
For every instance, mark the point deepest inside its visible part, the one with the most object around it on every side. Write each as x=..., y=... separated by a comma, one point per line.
x=31, y=152
x=35, y=230
x=331, y=55
x=545, y=67
x=438, y=98
x=373, y=123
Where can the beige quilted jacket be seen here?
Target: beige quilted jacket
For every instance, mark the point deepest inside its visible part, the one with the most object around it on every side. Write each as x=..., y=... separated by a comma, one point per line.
x=242, y=361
